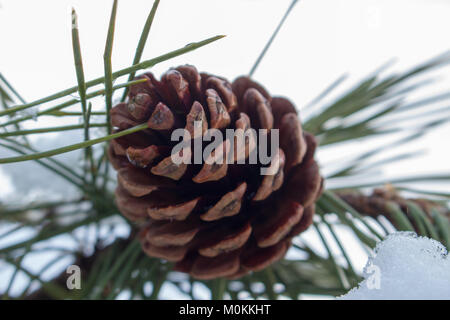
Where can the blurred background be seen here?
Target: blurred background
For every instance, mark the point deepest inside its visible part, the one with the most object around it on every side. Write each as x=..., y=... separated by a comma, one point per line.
x=319, y=42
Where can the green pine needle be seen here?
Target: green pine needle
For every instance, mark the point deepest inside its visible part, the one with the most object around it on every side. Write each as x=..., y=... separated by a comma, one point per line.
x=139, y=66
x=142, y=41
x=108, y=67
x=75, y=146
x=69, y=103
x=49, y=129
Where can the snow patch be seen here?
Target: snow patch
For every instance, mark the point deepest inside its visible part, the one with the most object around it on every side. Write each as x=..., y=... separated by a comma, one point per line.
x=405, y=266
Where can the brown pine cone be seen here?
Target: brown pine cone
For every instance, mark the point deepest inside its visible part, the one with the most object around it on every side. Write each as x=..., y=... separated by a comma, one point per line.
x=213, y=220
x=376, y=204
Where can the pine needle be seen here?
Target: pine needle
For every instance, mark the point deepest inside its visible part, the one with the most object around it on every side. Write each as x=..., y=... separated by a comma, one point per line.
x=142, y=65
x=142, y=41
x=73, y=147
x=272, y=38
x=69, y=103
x=108, y=67
x=49, y=129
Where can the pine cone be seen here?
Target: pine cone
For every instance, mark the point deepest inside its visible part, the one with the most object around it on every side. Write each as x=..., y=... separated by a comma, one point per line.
x=376, y=204
x=213, y=220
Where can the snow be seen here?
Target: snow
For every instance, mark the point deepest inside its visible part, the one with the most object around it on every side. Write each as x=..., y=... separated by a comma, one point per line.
x=405, y=266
